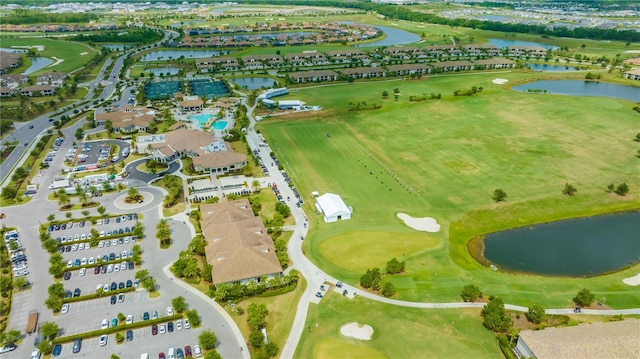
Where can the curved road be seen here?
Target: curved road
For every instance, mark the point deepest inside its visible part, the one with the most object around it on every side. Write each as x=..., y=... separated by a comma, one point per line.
x=316, y=277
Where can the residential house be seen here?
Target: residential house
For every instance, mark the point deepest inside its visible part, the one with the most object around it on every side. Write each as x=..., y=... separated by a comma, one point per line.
x=633, y=74
x=55, y=79
x=495, y=63
x=448, y=66
x=8, y=60
x=364, y=72
x=13, y=81
x=38, y=90
x=191, y=105
x=313, y=76
x=409, y=69
x=7, y=91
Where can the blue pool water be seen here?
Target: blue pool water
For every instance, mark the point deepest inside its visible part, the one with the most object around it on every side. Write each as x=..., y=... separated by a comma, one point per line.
x=219, y=125
x=202, y=118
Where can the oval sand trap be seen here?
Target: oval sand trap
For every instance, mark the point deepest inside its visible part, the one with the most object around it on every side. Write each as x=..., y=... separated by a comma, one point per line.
x=426, y=224
x=632, y=281
x=500, y=81
x=354, y=330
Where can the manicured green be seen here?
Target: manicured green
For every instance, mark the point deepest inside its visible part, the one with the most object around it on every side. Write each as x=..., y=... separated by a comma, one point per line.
x=398, y=332
x=69, y=51
x=444, y=158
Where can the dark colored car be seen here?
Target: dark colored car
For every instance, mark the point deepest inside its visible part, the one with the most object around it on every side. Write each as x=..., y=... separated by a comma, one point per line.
x=67, y=275
x=67, y=249
x=77, y=345
x=68, y=294
x=117, y=219
x=112, y=256
x=57, y=350
x=145, y=316
x=161, y=356
x=114, y=286
x=113, y=299
x=106, y=220
x=121, y=231
x=76, y=263
x=121, y=285
x=96, y=270
x=154, y=329
x=170, y=327
x=61, y=249
x=129, y=335
x=103, y=269
x=179, y=353
x=76, y=292
x=129, y=283
x=130, y=264
x=187, y=351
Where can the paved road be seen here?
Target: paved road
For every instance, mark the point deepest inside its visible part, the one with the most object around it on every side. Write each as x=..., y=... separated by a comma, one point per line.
x=145, y=177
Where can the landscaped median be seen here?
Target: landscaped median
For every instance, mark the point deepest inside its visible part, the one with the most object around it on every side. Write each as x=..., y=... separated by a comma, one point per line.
x=98, y=295
x=118, y=328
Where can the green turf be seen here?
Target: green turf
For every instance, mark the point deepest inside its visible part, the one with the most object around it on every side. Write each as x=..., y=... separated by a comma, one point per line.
x=444, y=159
x=398, y=332
x=69, y=51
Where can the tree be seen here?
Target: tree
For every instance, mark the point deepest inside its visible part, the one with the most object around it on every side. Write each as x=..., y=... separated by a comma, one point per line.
x=470, y=293
x=385, y=93
x=57, y=265
x=536, y=314
x=163, y=232
x=610, y=187
x=11, y=336
x=622, y=189
x=82, y=194
x=255, y=184
x=388, y=289
x=133, y=194
x=63, y=198
x=45, y=347
x=108, y=125
x=179, y=304
x=499, y=195
x=256, y=339
x=102, y=210
x=9, y=193
x=371, y=275
x=194, y=317
x=20, y=283
x=150, y=284
x=85, y=213
x=569, y=189
x=53, y=303
x=495, y=316
x=49, y=329
x=51, y=217
x=394, y=266
x=68, y=215
x=584, y=298
x=142, y=274
x=637, y=139
x=213, y=354
x=207, y=339
x=283, y=209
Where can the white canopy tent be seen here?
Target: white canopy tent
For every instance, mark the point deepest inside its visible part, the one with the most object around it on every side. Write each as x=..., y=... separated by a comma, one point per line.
x=333, y=207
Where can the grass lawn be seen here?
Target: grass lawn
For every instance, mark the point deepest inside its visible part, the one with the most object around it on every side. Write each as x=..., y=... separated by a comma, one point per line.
x=282, y=310
x=69, y=51
x=398, y=332
x=268, y=201
x=444, y=159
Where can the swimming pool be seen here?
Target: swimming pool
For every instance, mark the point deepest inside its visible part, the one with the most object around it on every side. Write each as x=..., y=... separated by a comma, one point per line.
x=202, y=118
x=220, y=125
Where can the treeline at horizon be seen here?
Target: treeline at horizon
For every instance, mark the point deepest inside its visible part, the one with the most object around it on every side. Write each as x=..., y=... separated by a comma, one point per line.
x=391, y=11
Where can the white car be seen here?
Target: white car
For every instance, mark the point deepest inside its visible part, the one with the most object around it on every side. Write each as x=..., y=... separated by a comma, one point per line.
x=69, y=264
x=83, y=271
x=65, y=308
x=110, y=268
x=179, y=324
x=99, y=222
x=169, y=311
x=104, y=324
x=101, y=244
x=129, y=319
x=123, y=266
x=91, y=260
x=87, y=246
x=103, y=340
x=116, y=268
x=161, y=329
x=83, y=261
x=81, y=246
x=124, y=254
x=187, y=325
x=74, y=247
x=105, y=288
x=197, y=352
x=83, y=236
x=102, y=234
x=76, y=237
x=114, y=242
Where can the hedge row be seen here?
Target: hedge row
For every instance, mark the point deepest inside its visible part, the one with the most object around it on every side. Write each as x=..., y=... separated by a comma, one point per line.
x=111, y=330
x=96, y=295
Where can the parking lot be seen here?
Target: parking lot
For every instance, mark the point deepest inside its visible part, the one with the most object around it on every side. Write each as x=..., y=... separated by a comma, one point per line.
x=76, y=321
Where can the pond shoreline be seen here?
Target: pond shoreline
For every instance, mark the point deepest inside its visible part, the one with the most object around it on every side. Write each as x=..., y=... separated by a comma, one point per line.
x=476, y=247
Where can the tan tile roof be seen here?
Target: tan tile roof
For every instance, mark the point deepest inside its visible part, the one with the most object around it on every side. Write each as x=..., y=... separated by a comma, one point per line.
x=313, y=73
x=494, y=61
x=219, y=159
x=599, y=340
x=191, y=103
x=128, y=116
x=238, y=246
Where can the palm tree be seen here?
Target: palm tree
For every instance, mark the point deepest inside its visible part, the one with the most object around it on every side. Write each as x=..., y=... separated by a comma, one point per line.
x=133, y=194
x=163, y=232
x=81, y=193
x=256, y=185
x=63, y=198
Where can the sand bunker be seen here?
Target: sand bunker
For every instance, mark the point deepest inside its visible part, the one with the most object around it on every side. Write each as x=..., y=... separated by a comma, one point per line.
x=58, y=61
x=426, y=224
x=354, y=330
x=500, y=81
x=84, y=53
x=632, y=281
x=37, y=47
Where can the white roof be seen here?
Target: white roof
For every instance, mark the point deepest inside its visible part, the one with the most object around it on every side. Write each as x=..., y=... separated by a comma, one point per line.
x=291, y=103
x=332, y=205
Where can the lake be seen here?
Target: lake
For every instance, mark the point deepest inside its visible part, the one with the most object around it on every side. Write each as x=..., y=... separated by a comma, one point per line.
x=255, y=83
x=497, y=18
x=502, y=43
x=175, y=54
x=37, y=63
x=550, y=68
x=163, y=70
x=394, y=36
x=582, y=88
x=575, y=247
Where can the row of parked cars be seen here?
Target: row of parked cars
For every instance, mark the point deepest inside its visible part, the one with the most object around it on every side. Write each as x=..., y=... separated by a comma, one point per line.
x=178, y=353
x=18, y=258
x=54, y=150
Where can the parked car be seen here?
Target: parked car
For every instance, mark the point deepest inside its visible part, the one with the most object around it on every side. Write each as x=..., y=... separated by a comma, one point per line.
x=154, y=329
x=57, y=350
x=197, y=352
x=187, y=325
x=129, y=335
x=145, y=316
x=113, y=299
x=103, y=340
